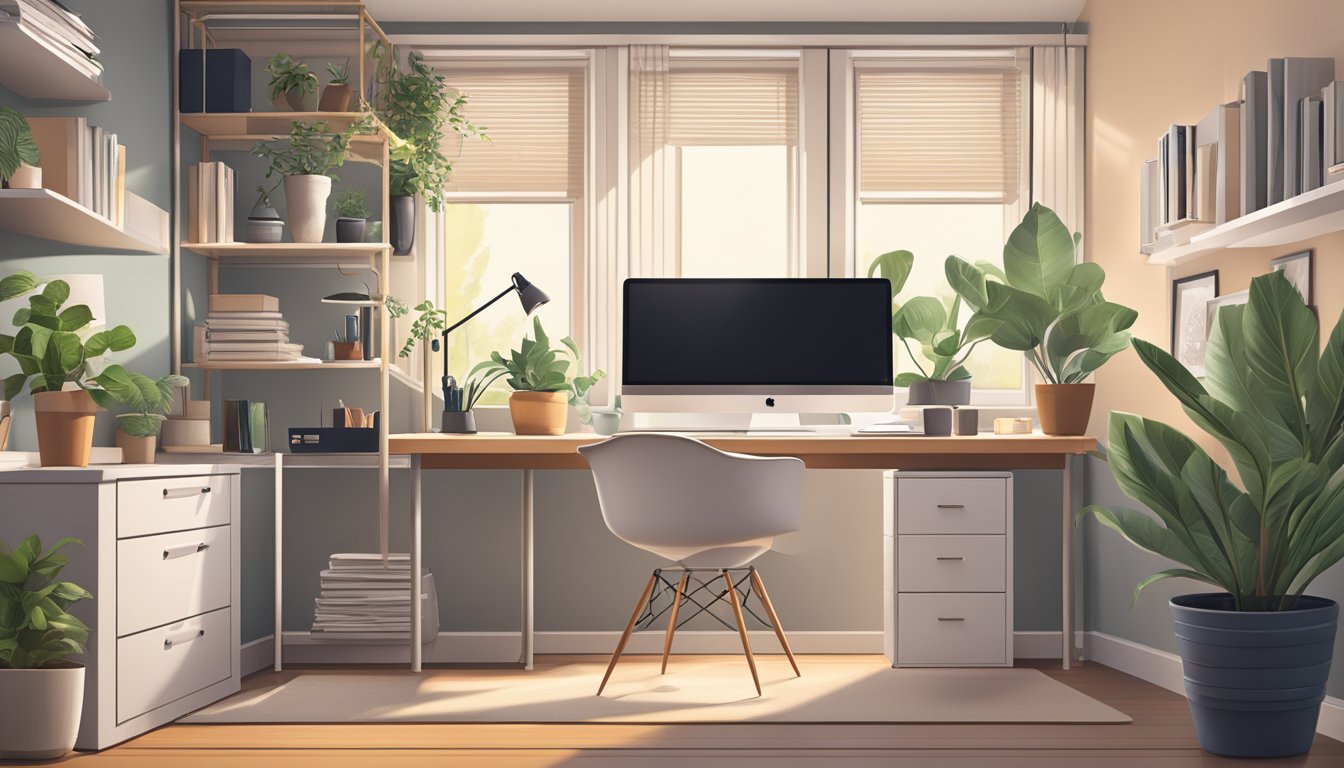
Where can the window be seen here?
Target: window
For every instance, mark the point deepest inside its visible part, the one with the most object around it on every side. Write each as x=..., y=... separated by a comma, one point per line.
x=515, y=203
x=940, y=170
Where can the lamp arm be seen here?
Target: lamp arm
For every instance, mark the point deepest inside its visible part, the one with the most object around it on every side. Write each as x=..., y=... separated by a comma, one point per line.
x=477, y=311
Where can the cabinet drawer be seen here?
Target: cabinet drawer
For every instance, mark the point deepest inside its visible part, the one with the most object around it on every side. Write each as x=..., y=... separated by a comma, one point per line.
x=171, y=576
x=172, y=504
x=951, y=505
x=974, y=563
x=952, y=630
x=162, y=665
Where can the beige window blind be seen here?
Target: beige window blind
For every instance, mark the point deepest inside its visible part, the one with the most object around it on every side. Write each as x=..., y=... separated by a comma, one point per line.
x=534, y=119
x=733, y=105
x=932, y=130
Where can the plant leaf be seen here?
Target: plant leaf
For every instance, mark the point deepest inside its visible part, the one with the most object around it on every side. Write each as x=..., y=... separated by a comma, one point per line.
x=1039, y=253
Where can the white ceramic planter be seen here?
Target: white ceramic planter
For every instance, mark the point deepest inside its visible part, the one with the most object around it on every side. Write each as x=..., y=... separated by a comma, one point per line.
x=306, y=206
x=26, y=177
x=39, y=712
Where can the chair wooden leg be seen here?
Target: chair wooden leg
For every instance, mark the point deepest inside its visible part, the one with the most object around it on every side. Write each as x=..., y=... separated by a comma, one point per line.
x=774, y=619
x=742, y=629
x=672, y=621
x=629, y=627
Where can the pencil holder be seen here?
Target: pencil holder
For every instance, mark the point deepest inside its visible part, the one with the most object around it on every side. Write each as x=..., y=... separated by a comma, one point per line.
x=347, y=350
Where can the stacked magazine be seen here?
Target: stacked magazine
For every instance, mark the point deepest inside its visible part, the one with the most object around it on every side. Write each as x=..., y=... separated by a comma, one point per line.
x=58, y=29
x=365, y=600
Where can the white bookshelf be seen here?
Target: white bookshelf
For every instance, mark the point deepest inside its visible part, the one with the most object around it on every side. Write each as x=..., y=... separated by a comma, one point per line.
x=46, y=214
x=1310, y=214
x=33, y=70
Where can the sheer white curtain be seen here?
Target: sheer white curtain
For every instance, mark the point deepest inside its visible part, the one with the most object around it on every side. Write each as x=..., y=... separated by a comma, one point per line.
x=1057, y=131
x=653, y=164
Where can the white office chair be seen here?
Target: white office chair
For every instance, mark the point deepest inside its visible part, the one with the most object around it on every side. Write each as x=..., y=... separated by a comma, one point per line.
x=706, y=510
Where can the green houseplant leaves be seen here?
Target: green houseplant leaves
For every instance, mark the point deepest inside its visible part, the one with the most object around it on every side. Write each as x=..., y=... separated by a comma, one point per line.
x=17, y=146
x=537, y=367
x=36, y=628
x=1277, y=406
x=312, y=149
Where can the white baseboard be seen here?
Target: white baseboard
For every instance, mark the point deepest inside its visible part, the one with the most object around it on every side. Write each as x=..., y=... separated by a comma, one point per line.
x=257, y=655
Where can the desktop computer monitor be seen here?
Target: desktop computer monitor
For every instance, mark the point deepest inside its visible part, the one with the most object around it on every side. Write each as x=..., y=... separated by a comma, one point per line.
x=757, y=345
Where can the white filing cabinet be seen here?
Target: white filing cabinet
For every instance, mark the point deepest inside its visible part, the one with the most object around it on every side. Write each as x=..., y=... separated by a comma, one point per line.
x=948, y=583
x=160, y=556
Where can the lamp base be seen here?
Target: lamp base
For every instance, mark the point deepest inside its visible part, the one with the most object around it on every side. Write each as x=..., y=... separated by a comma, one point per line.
x=458, y=423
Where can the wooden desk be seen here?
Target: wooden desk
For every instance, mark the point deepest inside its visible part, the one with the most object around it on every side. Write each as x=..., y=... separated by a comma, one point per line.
x=819, y=451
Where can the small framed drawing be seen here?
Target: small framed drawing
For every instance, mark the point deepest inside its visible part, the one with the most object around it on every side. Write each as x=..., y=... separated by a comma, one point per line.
x=1230, y=300
x=1297, y=268
x=1189, y=318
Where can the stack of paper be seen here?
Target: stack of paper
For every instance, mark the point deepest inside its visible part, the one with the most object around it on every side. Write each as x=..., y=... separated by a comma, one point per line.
x=210, y=188
x=365, y=599
x=58, y=29
x=246, y=327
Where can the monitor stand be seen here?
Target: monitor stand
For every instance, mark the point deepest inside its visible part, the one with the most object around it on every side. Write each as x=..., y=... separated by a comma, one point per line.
x=719, y=423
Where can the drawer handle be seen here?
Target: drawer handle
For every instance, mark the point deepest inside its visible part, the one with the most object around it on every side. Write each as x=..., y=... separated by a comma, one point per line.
x=950, y=557
x=182, y=493
x=951, y=506
x=182, y=637
x=184, y=550
x=951, y=618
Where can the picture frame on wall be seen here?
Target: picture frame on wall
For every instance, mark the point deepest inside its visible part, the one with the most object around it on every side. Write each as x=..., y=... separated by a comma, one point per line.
x=1215, y=304
x=1189, y=318
x=1298, y=268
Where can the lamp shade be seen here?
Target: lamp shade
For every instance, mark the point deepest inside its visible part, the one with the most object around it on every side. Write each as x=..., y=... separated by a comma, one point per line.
x=351, y=297
x=530, y=295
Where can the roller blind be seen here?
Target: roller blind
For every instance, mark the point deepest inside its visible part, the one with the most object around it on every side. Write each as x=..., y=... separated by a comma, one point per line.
x=733, y=105
x=940, y=130
x=534, y=119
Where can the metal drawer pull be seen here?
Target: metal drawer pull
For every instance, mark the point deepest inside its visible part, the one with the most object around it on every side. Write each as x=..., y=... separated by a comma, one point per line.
x=182, y=637
x=950, y=557
x=184, y=550
x=182, y=493
x=951, y=506
x=951, y=618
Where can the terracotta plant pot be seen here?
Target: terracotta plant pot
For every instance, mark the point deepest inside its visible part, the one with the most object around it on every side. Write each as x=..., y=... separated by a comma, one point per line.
x=40, y=711
x=1064, y=409
x=335, y=98
x=135, y=450
x=539, y=413
x=306, y=206
x=64, y=427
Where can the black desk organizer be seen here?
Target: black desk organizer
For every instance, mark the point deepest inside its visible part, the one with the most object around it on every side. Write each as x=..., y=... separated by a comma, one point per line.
x=335, y=439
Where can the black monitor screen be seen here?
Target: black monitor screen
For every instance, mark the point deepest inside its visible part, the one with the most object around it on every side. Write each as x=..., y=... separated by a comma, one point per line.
x=762, y=331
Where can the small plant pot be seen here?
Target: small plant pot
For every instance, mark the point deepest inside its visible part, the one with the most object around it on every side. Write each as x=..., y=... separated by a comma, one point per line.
x=933, y=392
x=306, y=203
x=347, y=350
x=1064, y=409
x=1254, y=680
x=401, y=227
x=606, y=422
x=539, y=413
x=26, y=177
x=295, y=100
x=350, y=230
x=335, y=98
x=40, y=711
x=264, y=226
x=64, y=427
x=458, y=423
x=135, y=450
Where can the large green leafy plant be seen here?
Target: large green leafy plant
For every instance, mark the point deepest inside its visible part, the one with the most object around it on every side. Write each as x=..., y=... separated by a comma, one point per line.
x=312, y=149
x=1048, y=305
x=1278, y=408
x=536, y=367
x=289, y=75
x=17, y=146
x=36, y=628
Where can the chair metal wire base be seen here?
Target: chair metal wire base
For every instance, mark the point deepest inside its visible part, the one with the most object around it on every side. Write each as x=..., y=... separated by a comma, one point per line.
x=716, y=593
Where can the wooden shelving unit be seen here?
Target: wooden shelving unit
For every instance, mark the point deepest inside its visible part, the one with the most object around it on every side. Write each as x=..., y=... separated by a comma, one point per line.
x=46, y=214
x=287, y=254
x=257, y=365
x=37, y=73
x=1310, y=214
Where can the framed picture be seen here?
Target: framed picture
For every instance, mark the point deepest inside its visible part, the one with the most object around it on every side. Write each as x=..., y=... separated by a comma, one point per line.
x=1230, y=300
x=1189, y=318
x=1297, y=268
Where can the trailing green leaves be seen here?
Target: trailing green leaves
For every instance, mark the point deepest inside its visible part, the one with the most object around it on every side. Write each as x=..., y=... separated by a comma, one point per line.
x=36, y=628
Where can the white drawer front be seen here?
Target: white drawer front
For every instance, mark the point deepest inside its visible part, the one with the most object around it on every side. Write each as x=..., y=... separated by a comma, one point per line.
x=172, y=504
x=171, y=576
x=162, y=665
x=952, y=630
x=972, y=563
x=951, y=505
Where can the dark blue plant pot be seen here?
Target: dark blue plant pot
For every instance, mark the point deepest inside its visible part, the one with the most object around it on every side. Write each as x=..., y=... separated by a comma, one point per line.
x=1255, y=679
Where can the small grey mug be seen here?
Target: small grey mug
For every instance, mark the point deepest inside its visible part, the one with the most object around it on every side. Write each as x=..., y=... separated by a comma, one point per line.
x=968, y=421
x=937, y=422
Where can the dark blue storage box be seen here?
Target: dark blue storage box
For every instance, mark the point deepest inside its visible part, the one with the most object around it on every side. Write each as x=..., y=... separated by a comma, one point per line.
x=214, y=80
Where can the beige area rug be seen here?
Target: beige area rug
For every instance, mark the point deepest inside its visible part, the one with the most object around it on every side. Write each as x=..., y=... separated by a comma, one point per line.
x=701, y=690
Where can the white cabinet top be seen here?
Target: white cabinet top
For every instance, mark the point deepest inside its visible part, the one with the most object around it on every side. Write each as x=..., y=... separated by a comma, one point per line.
x=15, y=472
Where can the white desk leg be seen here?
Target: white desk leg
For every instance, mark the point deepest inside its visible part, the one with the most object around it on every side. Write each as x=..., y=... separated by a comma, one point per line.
x=416, y=567
x=525, y=658
x=1066, y=560
x=279, y=559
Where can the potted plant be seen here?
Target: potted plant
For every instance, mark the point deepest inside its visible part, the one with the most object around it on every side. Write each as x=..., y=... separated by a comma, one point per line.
x=264, y=224
x=18, y=152
x=352, y=215
x=41, y=691
x=148, y=401
x=1051, y=308
x=542, y=387
x=336, y=93
x=417, y=106
x=306, y=161
x=51, y=355
x=292, y=85
x=1257, y=653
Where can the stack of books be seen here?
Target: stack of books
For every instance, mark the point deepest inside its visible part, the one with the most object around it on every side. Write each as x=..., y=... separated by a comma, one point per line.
x=210, y=189
x=187, y=429
x=86, y=164
x=58, y=29
x=364, y=599
x=246, y=327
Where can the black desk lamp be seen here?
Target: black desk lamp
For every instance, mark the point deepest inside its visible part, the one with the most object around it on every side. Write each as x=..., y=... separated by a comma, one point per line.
x=531, y=297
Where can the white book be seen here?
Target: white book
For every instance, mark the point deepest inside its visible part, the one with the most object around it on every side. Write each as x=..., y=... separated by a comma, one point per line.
x=1302, y=78
x=206, y=203
x=1221, y=128
x=1311, y=143
x=1332, y=131
x=1253, y=119
x=369, y=557
x=1274, y=123
x=1148, y=182
x=224, y=317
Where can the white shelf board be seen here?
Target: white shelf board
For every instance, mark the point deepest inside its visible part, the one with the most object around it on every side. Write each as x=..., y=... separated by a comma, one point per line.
x=34, y=71
x=291, y=460
x=261, y=365
x=46, y=214
x=1310, y=214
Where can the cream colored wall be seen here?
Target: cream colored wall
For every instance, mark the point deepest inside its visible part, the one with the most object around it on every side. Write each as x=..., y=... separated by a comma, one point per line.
x=1151, y=63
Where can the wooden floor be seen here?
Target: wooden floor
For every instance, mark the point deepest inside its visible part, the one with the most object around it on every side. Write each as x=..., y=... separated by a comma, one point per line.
x=1161, y=736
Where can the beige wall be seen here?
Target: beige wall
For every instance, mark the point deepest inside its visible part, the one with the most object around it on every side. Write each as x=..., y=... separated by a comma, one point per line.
x=1151, y=63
